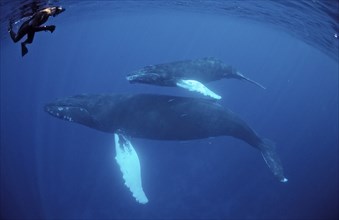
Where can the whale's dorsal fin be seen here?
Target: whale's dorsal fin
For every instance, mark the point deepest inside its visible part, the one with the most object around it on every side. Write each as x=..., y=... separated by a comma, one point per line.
x=196, y=86
x=128, y=160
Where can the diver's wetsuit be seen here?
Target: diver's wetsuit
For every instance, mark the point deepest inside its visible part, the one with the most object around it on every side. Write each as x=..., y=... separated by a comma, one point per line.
x=33, y=25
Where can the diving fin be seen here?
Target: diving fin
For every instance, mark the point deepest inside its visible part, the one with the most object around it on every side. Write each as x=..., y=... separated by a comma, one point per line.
x=51, y=28
x=128, y=160
x=196, y=86
x=242, y=77
x=24, y=49
x=272, y=159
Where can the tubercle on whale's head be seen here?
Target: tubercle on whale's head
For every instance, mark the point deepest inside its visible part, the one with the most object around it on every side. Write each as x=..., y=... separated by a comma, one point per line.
x=74, y=109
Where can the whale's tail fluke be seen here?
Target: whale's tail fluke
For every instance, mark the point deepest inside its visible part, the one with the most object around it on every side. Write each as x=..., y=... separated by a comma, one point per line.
x=242, y=77
x=272, y=159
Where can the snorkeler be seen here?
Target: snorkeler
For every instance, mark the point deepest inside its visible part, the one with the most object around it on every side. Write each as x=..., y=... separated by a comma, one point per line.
x=33, y=25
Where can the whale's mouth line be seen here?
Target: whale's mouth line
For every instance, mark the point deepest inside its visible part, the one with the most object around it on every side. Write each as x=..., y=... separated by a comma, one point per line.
x=49, y=108
x=64, y=111
x=143, y=77
x=130, y=78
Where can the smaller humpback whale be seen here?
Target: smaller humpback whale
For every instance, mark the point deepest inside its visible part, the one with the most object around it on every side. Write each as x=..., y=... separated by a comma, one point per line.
x=188, y=74
x=158, y=117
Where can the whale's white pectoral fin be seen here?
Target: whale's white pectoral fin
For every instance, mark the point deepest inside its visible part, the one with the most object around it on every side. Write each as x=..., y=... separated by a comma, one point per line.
x=196, y=86
x=129, y=163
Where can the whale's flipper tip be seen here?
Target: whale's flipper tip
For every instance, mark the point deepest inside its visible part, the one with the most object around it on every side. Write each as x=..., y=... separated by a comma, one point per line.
x=272, y=159
x=284, y=180
x=129, y=163
x=196, y=86
x=242, y=77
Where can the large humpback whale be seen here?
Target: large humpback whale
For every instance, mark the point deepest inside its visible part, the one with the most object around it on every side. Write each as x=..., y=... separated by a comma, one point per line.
x=158, y=117
x=188, y=74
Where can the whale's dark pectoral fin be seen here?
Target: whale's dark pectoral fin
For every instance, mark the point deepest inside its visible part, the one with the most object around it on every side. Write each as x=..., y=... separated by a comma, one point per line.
x=272, y=159
x=242, y=77
x=128, y=160
x=196, y=86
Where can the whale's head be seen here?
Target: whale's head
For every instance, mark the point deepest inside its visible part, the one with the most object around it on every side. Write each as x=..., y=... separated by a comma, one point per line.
x=151, y=75
x=143, y=76
x=79, y=109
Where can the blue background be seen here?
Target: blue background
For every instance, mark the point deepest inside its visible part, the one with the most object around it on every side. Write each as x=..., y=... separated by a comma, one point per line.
x=54, y=169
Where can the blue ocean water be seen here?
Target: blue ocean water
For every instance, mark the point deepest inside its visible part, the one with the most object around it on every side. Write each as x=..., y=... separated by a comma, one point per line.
x=53, y=169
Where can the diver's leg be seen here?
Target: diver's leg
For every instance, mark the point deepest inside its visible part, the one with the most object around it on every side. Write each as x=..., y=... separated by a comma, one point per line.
x=16, y=36
x=13, y=35
x=29, y=40
x=50, y=28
